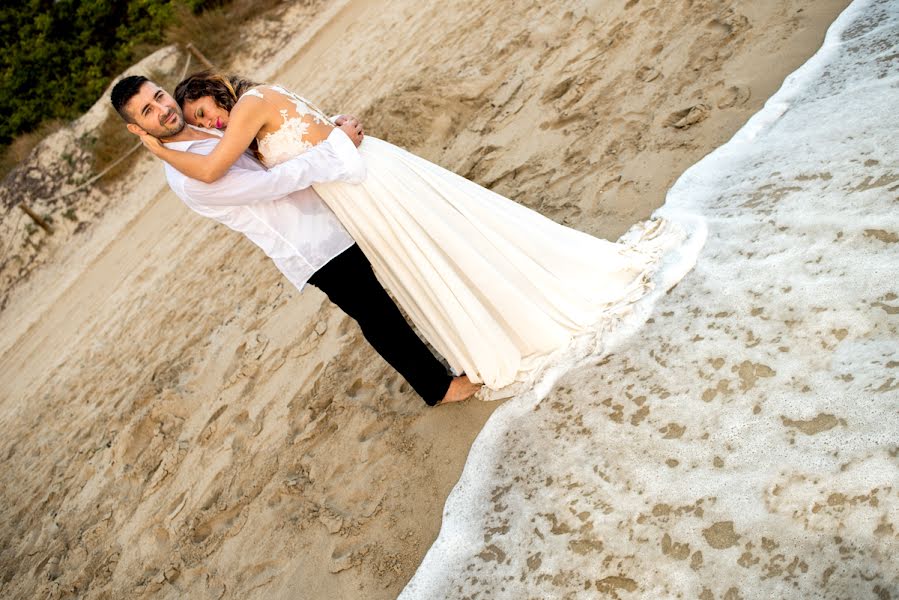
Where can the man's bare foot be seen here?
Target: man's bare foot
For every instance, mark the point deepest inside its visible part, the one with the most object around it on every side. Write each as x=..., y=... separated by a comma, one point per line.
x=460, y=388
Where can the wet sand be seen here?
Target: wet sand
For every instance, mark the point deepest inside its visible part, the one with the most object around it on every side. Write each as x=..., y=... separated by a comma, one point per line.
x=182, y=423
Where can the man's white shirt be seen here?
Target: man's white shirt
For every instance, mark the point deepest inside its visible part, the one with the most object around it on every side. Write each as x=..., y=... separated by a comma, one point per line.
x=277, y=209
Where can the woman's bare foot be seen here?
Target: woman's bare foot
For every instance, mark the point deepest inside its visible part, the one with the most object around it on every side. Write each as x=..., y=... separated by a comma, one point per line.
x=460, y=388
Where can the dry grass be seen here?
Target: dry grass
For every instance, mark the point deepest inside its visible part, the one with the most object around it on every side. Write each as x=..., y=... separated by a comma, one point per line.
x=216, y=32
x=23, y=144
x=112, y=141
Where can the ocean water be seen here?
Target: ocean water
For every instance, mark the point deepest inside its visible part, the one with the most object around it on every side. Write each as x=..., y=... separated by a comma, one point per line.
x=743, y=442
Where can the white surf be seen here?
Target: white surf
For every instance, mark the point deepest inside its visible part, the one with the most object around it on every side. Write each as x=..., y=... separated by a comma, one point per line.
x=742, y=442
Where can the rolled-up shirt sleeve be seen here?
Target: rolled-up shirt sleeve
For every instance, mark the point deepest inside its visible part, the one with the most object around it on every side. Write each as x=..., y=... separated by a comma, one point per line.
x=334, y=159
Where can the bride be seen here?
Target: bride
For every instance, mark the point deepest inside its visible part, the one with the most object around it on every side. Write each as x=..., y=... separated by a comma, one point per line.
x=497, y=289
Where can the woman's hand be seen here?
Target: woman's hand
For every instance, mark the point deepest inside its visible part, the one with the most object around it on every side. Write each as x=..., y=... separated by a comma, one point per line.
x=352, y=127
x=151, y=143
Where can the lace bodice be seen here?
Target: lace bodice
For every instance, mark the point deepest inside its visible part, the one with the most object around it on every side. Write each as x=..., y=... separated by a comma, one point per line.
x=300, y=128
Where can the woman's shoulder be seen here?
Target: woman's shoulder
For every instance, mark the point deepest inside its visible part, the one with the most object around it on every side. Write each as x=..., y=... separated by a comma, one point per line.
x=269, y=91
x=283, y=101
x=281, y=96
x=257, y=92
x=274, y=95
x=263, y=97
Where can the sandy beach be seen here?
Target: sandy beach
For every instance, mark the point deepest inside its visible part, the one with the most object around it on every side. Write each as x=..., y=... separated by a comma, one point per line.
x=182, y=423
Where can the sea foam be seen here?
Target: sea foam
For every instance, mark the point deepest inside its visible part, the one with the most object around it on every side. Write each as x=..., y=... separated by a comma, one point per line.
x=743, y=442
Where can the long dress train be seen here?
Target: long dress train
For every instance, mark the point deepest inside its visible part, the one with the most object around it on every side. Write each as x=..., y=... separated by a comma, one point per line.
x=496, y=288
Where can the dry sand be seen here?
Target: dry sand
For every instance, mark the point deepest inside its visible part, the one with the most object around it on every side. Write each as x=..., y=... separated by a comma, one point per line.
x=180, y=422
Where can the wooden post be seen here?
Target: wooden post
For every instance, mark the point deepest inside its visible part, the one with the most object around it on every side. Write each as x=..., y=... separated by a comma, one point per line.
x=200, y=57
x=36, y=218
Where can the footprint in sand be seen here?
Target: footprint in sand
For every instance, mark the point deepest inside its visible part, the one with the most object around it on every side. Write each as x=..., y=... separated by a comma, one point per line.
x=228, y=522
x=735, y=95
x=210, y=427
x=347, y=555
x=687, y=117
x=728, y=24
x=247, y=358
x=647, y=73
x=373, y=430
x=136, y=439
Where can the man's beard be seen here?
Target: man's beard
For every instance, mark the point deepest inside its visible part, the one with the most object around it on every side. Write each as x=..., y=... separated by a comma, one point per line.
x=168, y=131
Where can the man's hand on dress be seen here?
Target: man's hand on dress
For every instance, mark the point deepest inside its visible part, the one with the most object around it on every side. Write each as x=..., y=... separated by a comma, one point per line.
x=352, y=127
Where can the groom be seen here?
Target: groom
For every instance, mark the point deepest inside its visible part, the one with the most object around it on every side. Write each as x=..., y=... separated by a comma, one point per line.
x=279, y=211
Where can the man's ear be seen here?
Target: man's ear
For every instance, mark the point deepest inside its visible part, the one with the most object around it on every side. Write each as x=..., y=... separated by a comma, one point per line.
x=135, y=129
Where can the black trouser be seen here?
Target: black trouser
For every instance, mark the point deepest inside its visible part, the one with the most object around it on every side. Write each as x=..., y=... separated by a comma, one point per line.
x=350, y=283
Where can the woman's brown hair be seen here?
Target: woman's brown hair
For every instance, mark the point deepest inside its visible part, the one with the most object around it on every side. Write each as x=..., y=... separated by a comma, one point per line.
x=224, y=88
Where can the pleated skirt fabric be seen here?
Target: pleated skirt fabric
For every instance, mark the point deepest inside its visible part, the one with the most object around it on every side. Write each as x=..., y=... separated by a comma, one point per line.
x=493, y=286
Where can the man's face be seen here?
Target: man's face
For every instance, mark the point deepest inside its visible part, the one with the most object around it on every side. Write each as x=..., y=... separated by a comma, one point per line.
x=154, y=111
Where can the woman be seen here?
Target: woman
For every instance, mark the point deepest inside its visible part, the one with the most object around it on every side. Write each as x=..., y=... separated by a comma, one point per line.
x=499, y=290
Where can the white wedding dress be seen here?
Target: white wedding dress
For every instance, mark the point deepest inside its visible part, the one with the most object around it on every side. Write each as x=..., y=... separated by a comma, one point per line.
x=497, y=289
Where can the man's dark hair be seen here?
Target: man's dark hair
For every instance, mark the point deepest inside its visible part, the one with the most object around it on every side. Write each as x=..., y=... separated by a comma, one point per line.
x=124, y=91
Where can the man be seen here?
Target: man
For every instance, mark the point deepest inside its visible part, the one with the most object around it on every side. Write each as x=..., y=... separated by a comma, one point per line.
x=279, y=211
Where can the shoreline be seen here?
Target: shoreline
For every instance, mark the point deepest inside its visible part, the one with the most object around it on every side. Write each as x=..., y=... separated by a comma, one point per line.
x=250, y=442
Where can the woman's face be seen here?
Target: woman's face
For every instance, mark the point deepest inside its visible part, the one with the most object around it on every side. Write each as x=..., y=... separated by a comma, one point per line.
x=204, y=112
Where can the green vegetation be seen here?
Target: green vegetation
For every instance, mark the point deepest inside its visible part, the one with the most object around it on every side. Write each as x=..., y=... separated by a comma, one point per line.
x=60, y=55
